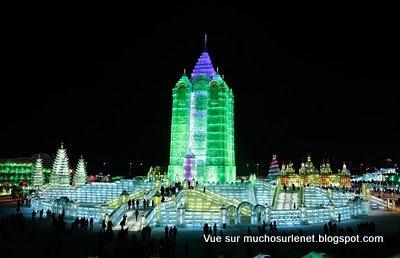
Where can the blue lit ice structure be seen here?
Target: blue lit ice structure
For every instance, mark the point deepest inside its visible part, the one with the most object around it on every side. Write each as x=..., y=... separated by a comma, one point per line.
x=92, y=200
x=233, y=203
x=377, y=176
x=242, y=203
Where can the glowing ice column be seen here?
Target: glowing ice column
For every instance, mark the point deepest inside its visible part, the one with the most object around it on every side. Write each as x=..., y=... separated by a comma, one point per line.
x=37, y=180
x=267, y=213
x=253, y=218
x=331, y=210
x=181, y=214
x=223, y=214
x=192, y=119
x=189, y=162
x=303, y=215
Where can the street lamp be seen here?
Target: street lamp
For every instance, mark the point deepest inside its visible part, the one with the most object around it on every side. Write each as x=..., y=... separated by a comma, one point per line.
x=141, y=168
x=257, y=169
x=130, y=168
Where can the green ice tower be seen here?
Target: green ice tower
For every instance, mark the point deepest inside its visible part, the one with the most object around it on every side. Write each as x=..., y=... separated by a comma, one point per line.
x=203, y=122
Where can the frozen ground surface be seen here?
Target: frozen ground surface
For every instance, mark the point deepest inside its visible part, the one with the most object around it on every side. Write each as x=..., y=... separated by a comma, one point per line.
x=85, y=244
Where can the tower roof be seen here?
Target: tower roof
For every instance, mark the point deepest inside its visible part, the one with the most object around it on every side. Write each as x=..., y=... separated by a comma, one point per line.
x=184, y=78
x=190, y=154
x=204, y=66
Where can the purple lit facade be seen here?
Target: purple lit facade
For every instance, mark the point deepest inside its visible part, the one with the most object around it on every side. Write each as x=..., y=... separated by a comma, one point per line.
x=203, y=66
x=189, y=167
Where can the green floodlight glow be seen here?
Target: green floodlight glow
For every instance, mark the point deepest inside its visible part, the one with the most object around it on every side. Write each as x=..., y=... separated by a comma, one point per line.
x=203, y=122
x=16, y=171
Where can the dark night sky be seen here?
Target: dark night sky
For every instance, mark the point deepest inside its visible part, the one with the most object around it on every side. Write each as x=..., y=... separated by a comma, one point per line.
x=306, y=78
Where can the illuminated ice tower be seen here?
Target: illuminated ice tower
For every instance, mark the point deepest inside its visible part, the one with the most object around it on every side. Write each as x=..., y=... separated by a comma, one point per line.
x=274, y=168
x=202, y=121
x=60, y=176
x=80, y=177
x=38, y=180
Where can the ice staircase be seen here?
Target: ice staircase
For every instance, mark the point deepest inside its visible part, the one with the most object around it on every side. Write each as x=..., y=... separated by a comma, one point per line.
x=378, y=203
x=287, y=200
x=205, y=207
x=264, y=192
x=140, y=194
x=199, y=208
x=168, y=215
x=238, y=191
x=315, y=196
x=122, y=208
x=340, y=198
x=131, y=221
x=196, y=200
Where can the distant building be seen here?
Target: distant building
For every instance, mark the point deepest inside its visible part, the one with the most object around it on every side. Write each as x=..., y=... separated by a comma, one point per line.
x=387, y=169
x=20, y=170
x=47, y=159
x=309, y=175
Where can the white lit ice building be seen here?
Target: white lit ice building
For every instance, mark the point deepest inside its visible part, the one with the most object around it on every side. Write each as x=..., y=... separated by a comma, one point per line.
x=242, y=203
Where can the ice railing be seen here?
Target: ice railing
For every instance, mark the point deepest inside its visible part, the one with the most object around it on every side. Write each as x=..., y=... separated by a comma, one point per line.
x=229, y=201
x=117, y=214
x=238, y=191
x=378, y=203
x=170, y=205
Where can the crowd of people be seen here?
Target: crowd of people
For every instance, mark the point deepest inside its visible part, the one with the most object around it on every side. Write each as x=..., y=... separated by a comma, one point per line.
x=171, y=189
x=135, y=204
x=15, y=221
x=82, y=224
x=153, y=247
x=330, y=228
x=366, y=227
x=363, y=228
x=145, y=246
x=170, y=232
x=23, y=200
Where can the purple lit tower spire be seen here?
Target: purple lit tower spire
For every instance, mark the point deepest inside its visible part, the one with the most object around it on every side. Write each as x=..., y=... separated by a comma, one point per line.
x=189, y=166
x=204, y=65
